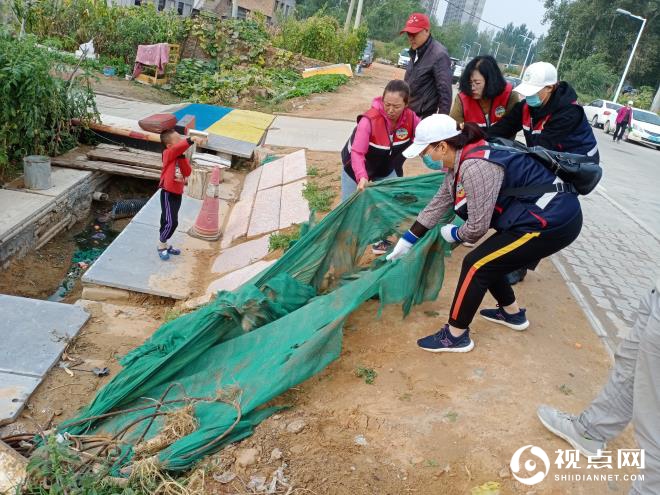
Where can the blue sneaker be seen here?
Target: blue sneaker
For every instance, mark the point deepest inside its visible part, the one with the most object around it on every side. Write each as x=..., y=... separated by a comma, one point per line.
x=444, y=341
x=174, y=251
x=518, y=321
x=164, y=254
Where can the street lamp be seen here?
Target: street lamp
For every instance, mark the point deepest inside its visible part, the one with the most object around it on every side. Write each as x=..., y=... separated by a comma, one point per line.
x=479, y=50
x=512, y=52
x=496, y=50
x=632, y=53
x=526, y=56
x=466, y=50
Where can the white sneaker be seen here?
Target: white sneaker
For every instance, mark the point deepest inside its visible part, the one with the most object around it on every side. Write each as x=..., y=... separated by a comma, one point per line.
x=563, y=425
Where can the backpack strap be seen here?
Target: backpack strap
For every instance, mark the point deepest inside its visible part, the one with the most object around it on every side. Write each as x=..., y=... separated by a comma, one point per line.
x=539, y=190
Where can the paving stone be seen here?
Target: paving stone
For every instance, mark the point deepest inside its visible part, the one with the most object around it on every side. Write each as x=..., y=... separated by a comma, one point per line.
x=34, y=333
x=13, y=469
x=295, y=167
x=17, y=207
x=271, y=175
x=238, y=222
x=266, y=212
x=14, y=392
x=149, y=214
x=251, y=184
x=313, y=134
x=235, y=279
x=131, y=262
x=294, y=209
x=242, y=255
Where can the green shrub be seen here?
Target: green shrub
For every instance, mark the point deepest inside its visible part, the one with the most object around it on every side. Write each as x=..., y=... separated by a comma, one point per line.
x=642, y=99
x=321, y=37
x=283, y=240
x=590, y=77
x=36, y=108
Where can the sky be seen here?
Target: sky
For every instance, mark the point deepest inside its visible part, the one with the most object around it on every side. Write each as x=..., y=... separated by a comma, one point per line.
x=501, y=12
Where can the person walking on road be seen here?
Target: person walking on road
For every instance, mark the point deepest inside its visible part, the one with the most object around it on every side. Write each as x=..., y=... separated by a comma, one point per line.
x=484, y=95
x=623, y=119
x=632, y=393
x=429, y=70
x=479, y=182
x=374, y=150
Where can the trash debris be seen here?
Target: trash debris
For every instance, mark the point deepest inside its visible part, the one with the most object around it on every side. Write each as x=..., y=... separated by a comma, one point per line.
x=246, y=457
x=257, y=483
x=96, y=371
x=225, y=477
x=360, y=440
x=276, y=454
x=296, y=426
x=488, y=488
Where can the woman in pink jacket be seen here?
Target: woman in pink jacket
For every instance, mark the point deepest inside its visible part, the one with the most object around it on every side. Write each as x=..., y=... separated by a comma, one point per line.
x=374, y=151
x=623, y=119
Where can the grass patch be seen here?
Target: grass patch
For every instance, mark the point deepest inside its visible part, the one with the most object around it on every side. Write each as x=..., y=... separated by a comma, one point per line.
x=369, y=374
x=313, y=172
x=318, y=199
x=565, y=389
x=283, y=240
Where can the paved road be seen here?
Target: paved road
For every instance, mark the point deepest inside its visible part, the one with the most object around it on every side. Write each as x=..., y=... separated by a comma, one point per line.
x=617, y=256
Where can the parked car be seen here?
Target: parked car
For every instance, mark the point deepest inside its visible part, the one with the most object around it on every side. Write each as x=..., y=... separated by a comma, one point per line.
x=515, y=81
x=598, y=112
x=645, y=127
x=457, y=73
x=404, y=58
x=368, y=55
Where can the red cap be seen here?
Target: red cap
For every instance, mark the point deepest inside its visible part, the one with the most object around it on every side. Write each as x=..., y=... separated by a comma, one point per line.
x=416, y=23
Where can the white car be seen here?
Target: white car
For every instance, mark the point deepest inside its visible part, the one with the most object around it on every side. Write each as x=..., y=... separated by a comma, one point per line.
x=404, y=58
x=598, y=112
x=645, y=127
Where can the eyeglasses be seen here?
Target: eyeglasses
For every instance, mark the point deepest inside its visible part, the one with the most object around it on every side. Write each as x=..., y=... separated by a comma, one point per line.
x=476, y=84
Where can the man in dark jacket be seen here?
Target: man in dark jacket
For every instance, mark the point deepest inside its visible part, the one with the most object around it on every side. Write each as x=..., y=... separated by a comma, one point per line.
x=549, y=115
x=429, y=71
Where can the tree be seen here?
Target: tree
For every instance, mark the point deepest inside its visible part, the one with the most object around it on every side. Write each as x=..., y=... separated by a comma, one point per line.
x=596, y=29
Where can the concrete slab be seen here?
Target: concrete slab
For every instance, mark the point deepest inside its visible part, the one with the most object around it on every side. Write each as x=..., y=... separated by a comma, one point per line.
x=235, y=279
x=294, y=208
x=17, y=207
x=271, y=175
x=244, y=125
x=251, y=184
x=132, y=263
x=295, y=167
x=313, y=134
x=13, y=469
x=62, y=179
x=34, y=333
x=131, y=109
x=265, y=212
x=14, y=391
x=238, y=222
x=228, y=145
x=150, y=213
x=239, y=256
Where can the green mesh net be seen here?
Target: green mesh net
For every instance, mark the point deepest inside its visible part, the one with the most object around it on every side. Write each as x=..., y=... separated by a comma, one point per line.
x=229, y=358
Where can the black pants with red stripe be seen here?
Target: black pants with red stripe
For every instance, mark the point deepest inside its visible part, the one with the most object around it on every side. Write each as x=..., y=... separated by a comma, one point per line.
x=169, y=214
x=485, y=267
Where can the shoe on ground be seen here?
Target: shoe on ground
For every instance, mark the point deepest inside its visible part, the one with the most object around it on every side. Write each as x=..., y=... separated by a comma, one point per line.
x=174, y=251
x=517, y=321
x=563, y=425
x=444, y=341
x=164, y=254
x=381, y=247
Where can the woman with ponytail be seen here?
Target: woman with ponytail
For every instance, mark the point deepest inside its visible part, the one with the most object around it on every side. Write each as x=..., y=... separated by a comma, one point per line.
x=488, y=188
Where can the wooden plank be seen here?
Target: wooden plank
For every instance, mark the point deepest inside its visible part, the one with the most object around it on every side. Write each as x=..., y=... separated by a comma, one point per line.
x=144, y=160
x=110, y=168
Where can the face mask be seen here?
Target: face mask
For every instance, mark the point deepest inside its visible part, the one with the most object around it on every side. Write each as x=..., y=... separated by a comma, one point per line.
x=534, y=101
x=431, y=163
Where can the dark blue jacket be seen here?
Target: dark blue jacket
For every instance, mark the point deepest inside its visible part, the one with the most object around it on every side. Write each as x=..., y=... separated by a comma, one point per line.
x=520, y=214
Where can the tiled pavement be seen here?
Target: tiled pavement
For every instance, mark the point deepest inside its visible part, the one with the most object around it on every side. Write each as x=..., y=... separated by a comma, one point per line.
x=610, y=266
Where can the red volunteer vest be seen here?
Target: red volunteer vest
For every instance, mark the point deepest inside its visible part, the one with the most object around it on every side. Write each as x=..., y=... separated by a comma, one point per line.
x=472, y=111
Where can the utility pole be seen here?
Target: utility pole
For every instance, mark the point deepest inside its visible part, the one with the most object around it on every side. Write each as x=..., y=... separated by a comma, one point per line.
x=632, y=53
x=563, y=45
x=526, y=56
x=358, y=14
x=512, y=52
x=496, y=50
x=348, y=16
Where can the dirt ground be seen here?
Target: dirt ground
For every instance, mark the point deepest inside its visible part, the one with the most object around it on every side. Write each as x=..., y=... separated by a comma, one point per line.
x=428, y=424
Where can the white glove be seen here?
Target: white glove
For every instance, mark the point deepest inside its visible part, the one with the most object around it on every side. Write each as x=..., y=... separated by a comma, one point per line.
x=400, y=250
x=450, y=233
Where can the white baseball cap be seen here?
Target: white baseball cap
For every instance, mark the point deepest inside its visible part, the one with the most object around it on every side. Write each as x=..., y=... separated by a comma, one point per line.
x=434, y=128
x=536, y=77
